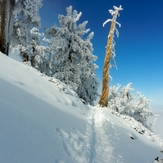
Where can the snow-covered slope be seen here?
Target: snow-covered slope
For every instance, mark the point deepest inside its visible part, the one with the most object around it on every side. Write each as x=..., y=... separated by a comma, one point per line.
x=159, y=123
x=40, y=123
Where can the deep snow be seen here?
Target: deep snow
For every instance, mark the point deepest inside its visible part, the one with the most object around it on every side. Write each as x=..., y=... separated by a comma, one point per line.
x=44, y=122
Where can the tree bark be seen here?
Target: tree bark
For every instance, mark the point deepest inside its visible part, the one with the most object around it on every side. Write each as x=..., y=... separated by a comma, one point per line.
x=3, y=24
x=6, y=24
x=109, y=50
x=105, y=82
x=10, y=23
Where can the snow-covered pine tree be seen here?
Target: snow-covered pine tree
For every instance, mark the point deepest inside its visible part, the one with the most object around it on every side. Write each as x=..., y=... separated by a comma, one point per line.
x=27, y=17
x=87, y=89
x=38, y=51
x=71, y=55
x=35, y=47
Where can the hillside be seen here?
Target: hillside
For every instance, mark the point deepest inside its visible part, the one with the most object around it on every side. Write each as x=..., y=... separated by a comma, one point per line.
x=45, y=122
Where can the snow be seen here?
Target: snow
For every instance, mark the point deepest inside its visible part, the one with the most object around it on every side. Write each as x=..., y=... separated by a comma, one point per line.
x=159, y=122
x=41, y=123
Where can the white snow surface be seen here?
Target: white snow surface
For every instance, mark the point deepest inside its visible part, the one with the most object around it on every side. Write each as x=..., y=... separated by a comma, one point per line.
x=40, y=122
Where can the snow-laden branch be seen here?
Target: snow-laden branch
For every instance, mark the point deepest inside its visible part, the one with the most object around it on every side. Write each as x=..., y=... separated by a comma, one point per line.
x=118, y=8
x=78, y=17
x=111, y=20
x=108, y=20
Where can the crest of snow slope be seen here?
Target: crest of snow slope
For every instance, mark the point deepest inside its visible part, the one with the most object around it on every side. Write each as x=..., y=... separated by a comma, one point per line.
x=41, y=124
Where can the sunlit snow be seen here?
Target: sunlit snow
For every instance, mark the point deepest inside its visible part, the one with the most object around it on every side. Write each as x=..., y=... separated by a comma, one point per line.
x=42, y=121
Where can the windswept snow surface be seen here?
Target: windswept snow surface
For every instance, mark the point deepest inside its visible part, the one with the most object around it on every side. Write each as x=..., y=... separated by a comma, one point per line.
x=40, y=123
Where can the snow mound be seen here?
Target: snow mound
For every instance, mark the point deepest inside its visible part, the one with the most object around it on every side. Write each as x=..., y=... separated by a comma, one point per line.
x=41, y=123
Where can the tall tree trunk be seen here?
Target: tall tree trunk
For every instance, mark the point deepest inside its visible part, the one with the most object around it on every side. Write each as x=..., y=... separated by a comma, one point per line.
x=10, y=23
x=105, y=80
x=109, y=50
x=6, y=24
x=3, y=24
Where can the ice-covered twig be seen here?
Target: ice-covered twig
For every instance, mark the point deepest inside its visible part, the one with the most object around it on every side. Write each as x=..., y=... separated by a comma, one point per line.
x=78, y=17
x=115, y=64
x=117, y=32
x=118, y=8
x=108, y=20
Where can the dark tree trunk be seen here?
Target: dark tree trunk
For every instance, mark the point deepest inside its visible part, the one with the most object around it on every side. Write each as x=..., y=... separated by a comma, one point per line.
x=3, y=24
x=10, y=23
x=6, y=24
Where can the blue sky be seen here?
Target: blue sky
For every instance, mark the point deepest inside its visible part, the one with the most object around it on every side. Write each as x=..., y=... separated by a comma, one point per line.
x=139, y=48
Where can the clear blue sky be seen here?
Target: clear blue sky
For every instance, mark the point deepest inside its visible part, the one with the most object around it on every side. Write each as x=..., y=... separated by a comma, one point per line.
x=139, y=48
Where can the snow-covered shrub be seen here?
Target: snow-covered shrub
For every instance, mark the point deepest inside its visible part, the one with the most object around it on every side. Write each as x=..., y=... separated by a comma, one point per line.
x=69, y=55
x=123, y=102
x=142, y=109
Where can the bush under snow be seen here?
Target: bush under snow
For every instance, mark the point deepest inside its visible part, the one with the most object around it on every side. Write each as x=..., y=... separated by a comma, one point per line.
x=123, y=102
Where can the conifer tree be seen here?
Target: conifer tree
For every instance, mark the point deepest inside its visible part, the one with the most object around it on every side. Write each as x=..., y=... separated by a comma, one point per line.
x=110, y=53
x=70, y=55
x=27, y=17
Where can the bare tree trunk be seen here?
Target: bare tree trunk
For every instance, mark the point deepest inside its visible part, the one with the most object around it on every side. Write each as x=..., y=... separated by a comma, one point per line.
x=6, y=24
x=105, y=80
x=109, y=50
x=3, y=24
x=10, y=23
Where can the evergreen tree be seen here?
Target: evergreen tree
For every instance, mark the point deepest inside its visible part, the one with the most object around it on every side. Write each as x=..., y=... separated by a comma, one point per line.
x=70, y=55
x=27, y=17
x=37, y=51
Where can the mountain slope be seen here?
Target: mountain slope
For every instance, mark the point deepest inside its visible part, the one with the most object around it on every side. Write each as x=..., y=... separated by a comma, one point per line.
x=40, y=123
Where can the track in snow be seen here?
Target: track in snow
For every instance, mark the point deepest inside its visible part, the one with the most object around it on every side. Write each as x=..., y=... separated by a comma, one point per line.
x=95, y=144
